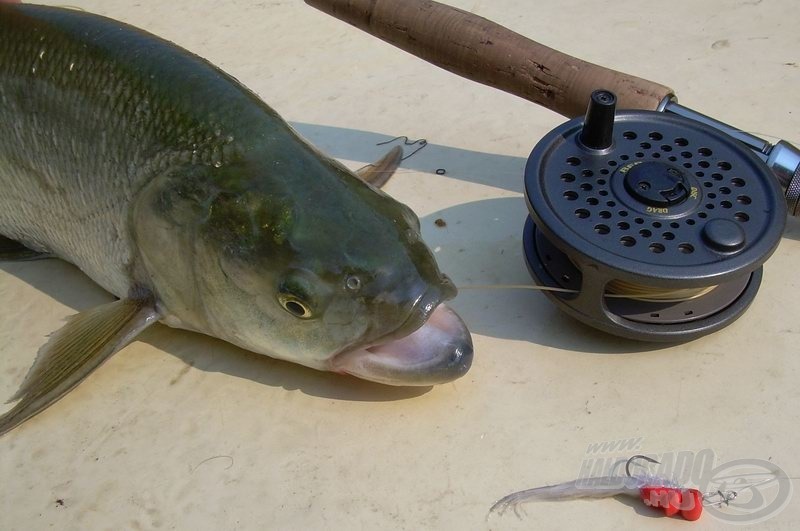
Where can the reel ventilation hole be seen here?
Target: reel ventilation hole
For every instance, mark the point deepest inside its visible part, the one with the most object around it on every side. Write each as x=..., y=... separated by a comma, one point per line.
x=648, y=225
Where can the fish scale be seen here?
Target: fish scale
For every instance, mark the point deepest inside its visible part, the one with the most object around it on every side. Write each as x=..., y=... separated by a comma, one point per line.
x=92, y=87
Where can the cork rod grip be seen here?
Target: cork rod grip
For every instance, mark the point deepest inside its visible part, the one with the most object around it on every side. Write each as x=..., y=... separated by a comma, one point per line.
x=480, y=50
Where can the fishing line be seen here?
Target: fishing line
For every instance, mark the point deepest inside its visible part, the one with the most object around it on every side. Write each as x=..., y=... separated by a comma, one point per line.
x=422, y=142
x=616, y=289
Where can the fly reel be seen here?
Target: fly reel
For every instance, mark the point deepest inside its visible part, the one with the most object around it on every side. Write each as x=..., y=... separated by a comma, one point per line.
x=648, y=225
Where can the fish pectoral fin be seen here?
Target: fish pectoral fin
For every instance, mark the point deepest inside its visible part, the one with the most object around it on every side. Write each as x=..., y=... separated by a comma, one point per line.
x=378, y=173
x=13, y=250
x=73, y=352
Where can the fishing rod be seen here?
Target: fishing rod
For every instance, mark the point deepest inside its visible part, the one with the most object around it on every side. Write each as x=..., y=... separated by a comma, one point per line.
x=648, y=219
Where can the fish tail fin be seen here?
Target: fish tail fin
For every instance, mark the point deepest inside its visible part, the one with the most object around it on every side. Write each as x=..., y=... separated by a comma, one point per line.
x=378, y=173
x=13, y=250
x=73, y=352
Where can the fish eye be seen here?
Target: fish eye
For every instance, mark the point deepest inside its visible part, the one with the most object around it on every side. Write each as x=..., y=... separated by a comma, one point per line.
x=295, y=306
x=353, y=283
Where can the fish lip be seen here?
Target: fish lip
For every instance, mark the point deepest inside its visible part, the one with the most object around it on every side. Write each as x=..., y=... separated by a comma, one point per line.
x=427, y=301
x=443, y=338
x=418, y=315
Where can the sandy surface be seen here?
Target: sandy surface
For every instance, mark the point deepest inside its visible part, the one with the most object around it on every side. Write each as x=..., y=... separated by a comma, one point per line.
x=180, y=431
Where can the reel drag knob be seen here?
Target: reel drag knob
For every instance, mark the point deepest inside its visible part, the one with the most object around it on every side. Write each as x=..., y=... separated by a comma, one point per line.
x=653, y=226
x=657, y=184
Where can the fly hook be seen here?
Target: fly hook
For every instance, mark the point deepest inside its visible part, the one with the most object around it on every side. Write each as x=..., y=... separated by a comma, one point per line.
x=633, y=458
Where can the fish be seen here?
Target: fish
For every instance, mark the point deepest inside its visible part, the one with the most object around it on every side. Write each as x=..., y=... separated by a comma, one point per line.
x=183, y=194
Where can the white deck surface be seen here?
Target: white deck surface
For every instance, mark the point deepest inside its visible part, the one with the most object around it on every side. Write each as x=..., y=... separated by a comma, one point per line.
x=180, y=431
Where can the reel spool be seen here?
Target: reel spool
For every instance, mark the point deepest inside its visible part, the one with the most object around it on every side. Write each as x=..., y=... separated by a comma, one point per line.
x=652, y=226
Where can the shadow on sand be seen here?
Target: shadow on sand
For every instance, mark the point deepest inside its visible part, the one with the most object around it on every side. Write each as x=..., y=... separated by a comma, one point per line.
x=479, y=245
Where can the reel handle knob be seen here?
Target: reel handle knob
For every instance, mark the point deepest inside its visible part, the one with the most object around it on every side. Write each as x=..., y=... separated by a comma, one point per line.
x=598, y=127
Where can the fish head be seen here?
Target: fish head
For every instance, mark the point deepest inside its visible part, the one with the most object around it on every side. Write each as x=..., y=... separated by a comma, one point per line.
x=333, y=275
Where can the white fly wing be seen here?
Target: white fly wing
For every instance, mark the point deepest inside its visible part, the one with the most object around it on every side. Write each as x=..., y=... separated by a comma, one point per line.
x=600, y=487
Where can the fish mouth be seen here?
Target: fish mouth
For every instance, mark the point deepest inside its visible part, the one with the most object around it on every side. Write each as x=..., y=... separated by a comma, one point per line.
x=438, y=350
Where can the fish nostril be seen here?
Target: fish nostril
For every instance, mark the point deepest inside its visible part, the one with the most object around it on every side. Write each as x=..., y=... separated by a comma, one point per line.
x=353, y=283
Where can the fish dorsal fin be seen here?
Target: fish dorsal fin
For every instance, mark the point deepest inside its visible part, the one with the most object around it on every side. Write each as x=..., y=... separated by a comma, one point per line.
x=381, y=171
x=73, y=352
x=13, y=250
